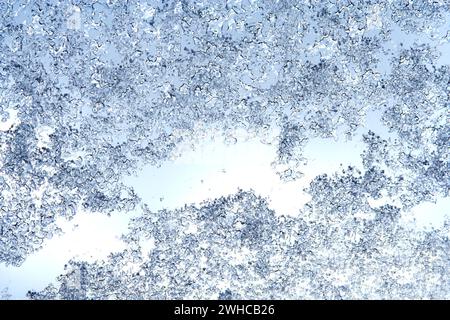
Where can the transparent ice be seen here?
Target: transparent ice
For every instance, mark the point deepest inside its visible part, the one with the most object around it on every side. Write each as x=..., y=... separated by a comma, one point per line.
x=92, y=92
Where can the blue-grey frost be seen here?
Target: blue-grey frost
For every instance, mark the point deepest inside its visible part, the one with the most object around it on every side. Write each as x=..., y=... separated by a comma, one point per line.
x=235, y=247
x=91, y=91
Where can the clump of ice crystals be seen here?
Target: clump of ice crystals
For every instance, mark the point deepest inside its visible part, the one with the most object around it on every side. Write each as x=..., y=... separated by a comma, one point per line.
x=235, y=247
x=100, y=88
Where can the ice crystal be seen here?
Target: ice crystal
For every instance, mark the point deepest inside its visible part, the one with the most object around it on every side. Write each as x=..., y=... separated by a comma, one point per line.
x=91, y=91
x=240, y=249
x=4, y=294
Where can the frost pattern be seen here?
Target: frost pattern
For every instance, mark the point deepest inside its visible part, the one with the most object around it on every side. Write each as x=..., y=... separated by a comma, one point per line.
x=4, y=294
x=236, y=248
x=93, y=90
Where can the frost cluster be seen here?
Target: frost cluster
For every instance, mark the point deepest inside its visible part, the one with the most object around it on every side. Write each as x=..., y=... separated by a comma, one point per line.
x=91, y=91
x=236, y=248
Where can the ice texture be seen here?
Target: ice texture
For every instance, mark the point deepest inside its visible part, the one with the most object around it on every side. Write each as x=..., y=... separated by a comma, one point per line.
x=92, y=91
x=236, y=248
